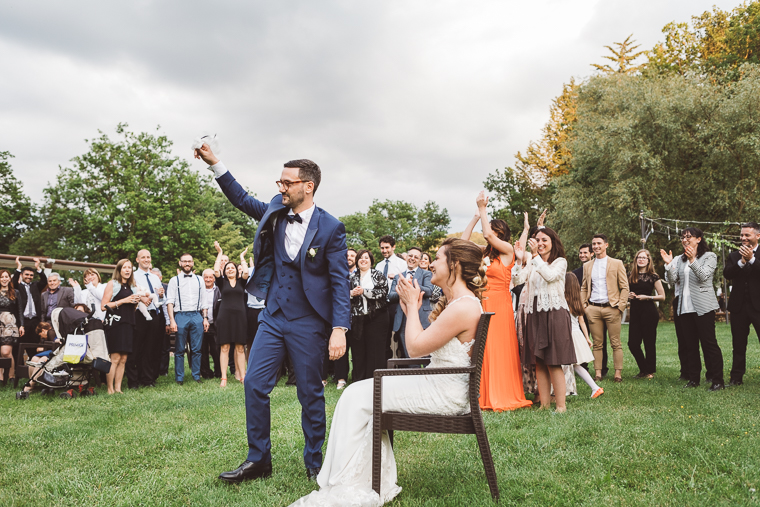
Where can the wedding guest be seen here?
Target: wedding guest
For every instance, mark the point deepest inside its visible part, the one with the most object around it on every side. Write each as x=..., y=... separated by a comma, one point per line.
x=697, y=305
x=425, y=261
x=254, y=307
x=581, y=341
x=92, y=294
x=188, y=317
x=46, y=336
x=30, y=294
x=423, y=280
x=584, y=255
x=351, y=257
x=369, y=319
x=232, y=324
x=642, y=282
x=121, y=299
x=605, y=296
x=11, y=320
x=744, y=303
x=163, y=366
x=145, y=360
x=340, y=366
x=55, y=296
x=390, y=266
x=501, y=385
x=549, y=327
x=521, y=280
x=209, y=346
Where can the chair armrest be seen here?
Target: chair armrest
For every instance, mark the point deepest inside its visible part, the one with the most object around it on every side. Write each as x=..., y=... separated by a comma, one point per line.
x=423, y=371
x=408, y=361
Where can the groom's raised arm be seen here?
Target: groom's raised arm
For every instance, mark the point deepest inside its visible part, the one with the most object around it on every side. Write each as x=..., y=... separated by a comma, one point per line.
x=229, y=185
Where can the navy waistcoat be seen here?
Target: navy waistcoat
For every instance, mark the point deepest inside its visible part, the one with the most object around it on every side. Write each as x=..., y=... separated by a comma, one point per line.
x=286, y=291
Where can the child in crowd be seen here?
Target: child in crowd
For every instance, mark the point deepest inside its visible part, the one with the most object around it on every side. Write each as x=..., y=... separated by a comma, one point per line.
x=581, y=341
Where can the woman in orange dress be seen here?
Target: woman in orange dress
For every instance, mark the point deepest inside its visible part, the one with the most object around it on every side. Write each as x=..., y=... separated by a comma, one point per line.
x=501, y=384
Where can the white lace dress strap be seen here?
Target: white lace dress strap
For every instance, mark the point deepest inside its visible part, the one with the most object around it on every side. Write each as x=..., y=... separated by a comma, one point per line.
x=469, y=297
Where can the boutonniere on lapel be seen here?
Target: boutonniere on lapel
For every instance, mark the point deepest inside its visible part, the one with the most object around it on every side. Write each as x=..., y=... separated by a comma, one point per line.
x=312, y=253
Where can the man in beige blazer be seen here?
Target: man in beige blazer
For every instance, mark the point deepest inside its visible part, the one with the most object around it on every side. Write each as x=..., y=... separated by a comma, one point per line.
x=604, y=293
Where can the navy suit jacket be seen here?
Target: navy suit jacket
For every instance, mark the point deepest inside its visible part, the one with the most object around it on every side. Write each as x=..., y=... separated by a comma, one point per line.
x=325, y=277
x=423, y=280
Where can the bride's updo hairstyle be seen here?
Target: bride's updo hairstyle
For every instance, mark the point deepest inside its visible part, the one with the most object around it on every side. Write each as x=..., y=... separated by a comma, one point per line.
x=469, y=256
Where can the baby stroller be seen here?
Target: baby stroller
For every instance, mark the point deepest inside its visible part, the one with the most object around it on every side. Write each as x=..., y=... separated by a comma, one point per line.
x=68, y=371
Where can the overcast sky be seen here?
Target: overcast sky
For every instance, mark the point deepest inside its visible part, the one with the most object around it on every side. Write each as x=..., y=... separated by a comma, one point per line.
x=405, y=100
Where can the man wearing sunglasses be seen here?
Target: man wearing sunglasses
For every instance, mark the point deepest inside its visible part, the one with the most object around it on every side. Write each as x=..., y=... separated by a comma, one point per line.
x=301, y=272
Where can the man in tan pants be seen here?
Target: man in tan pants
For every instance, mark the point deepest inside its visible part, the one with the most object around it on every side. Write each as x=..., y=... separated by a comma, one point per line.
x=604, y=293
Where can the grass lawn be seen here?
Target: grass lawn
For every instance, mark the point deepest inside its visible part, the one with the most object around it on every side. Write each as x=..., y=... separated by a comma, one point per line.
x=644, y=442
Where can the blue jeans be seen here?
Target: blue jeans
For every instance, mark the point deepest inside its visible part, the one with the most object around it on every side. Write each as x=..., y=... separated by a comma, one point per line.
x=189, y=328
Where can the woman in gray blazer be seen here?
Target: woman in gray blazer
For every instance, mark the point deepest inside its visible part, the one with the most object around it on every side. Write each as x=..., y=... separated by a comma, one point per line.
x=694, y=271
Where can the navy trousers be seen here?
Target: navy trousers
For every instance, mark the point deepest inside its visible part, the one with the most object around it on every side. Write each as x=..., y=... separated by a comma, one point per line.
x=305, y=340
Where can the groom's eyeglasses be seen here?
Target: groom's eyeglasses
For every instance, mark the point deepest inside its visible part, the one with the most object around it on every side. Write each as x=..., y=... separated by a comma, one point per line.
x=285, y=184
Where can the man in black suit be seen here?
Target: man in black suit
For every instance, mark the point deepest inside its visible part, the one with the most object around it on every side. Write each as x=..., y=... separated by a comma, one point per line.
x=23, y=279
x=743, y=270
x=55, y=297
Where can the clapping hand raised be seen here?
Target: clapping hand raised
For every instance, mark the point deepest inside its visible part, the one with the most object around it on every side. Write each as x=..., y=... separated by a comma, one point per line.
x=218, y=247
x=533, y=246
x=542, y=218
x=746, y=253
x=667, y=257
x=690, y=252
x=73, y=282
x=482, y=199
x=409, y=294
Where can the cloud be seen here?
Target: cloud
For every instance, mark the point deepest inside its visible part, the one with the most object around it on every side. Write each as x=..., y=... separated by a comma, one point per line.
x=395, y=100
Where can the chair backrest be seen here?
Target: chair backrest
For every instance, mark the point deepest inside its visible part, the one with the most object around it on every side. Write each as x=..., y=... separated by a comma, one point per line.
x=478, y=350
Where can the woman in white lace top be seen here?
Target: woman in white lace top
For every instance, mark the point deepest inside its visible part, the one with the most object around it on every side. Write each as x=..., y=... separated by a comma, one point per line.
x=346, y=476
x=549, y=327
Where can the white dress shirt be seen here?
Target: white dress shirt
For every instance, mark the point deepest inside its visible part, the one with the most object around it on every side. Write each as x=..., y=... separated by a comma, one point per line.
x=396, y=265
x=751, y=261
x=142, y=280
x=599, y=281
x=91, y=297
x=186, y=299
x=295, y=233
x=686, y=306
x=210, y=304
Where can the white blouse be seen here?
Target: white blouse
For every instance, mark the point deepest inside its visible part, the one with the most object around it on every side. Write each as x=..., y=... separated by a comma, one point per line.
x=547, y=285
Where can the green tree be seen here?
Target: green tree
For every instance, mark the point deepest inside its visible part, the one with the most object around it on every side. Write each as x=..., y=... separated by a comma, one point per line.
x=716, y=42
x=423, y=227
x=675, y=147
x=16, y=209
x=131, y=193
x=623, y=56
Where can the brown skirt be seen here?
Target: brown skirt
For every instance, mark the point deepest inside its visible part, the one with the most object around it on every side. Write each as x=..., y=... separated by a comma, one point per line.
x=549, y=337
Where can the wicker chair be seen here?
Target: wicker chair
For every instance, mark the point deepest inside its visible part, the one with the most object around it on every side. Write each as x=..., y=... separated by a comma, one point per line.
x=471, y=423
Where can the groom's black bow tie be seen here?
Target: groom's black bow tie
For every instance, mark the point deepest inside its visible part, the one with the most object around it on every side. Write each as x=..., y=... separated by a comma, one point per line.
x=294, y=218
x=188, y=276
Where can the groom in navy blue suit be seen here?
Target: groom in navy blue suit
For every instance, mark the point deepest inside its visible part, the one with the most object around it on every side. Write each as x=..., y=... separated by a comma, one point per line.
x=301, y=272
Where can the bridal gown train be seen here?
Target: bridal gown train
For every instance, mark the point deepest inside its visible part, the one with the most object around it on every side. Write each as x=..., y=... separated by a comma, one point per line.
x=346, y=476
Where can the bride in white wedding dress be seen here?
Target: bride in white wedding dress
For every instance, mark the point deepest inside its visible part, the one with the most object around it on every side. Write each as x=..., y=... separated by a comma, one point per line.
x=346, y=475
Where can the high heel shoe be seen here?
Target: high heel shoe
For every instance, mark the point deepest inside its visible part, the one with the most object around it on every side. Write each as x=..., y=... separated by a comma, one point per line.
x=224, y=383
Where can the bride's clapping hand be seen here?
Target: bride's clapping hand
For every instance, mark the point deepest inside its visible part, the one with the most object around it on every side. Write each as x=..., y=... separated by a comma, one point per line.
x=409, y=295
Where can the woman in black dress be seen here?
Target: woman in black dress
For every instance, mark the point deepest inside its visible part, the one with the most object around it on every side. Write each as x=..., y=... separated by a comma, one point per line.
x=11, y=320
x=642, y=281
x=119, y=296
x=231, y=322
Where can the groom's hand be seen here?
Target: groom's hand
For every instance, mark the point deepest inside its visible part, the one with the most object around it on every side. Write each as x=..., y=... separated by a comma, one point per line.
x=204, y=153
x=337, y=343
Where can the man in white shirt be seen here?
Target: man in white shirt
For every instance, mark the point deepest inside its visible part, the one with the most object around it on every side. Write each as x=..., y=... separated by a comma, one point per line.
x=604, y=294
x=390, y=266
x=188, y=317
x=144, y=362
